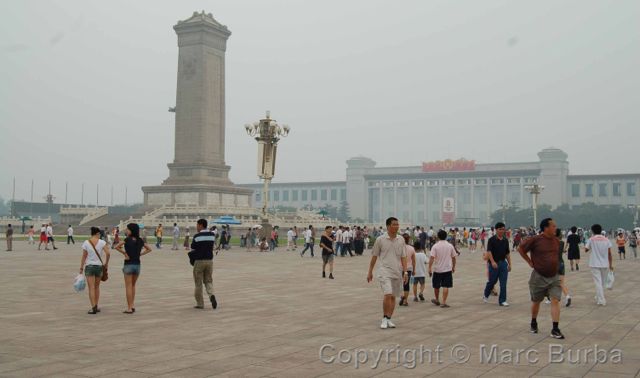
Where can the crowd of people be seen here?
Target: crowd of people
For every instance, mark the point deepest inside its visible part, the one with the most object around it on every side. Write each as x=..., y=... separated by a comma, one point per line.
x=542, y=249
x=403, y=258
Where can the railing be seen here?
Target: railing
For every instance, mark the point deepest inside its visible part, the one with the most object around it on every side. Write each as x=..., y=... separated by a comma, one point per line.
x=204, y=210
x=79, y=210
x=186, y=215
x=97, y=213
x=4, y=221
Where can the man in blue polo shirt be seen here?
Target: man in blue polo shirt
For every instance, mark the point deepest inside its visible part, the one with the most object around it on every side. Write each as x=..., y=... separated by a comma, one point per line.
x=202, y=252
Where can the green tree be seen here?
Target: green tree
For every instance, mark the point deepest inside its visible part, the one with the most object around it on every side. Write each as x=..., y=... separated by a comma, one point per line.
x=329, y=211
x=5, y=207
x=343, y=212
x=583, y=215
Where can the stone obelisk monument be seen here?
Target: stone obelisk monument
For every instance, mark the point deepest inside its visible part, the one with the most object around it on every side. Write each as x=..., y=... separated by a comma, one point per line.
x=199, y=175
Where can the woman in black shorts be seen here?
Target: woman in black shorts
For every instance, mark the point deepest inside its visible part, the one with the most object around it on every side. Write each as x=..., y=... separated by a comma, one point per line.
x=573, y=247
x=134, y=247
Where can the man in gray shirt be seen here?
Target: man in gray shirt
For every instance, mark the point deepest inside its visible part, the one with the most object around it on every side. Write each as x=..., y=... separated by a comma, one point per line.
x=392, y=270
x=176, y=236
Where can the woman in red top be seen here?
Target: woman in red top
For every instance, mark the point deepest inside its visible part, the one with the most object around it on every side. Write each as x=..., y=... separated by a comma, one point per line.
x=621, y=241
x=116, y=237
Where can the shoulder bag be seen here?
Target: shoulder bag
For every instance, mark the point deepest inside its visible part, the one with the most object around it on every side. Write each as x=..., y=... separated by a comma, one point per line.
x=105, y=274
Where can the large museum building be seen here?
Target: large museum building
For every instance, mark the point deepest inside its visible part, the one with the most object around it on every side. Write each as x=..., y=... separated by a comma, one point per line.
x=458, y=192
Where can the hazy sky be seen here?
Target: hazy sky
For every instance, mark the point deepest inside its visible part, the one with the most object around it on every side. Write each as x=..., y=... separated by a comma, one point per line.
x=86, y=86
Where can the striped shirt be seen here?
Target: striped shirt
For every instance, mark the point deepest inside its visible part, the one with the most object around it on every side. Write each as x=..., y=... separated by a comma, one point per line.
x=202, y=244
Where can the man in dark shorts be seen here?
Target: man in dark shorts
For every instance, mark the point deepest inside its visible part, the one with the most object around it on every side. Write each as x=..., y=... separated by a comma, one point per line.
x=573, y=248
x=326, y=243
x=544, y=280
x=499, y=264
x=442, y=265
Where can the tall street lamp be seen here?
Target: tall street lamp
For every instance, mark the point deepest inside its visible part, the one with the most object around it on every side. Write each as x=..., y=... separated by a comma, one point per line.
x=504, y=208
x=635, y=217
x=267, y=133
x=535, y=191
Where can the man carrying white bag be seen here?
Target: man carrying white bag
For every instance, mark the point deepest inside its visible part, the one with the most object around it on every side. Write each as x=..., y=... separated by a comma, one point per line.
x=600, y=262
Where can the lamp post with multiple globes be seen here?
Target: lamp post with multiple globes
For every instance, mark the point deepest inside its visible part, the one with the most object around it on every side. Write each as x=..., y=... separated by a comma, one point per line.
x=267, y=132
x=535, y=191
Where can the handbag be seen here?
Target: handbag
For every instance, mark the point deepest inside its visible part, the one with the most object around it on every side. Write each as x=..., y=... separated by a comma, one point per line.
x=105, y=273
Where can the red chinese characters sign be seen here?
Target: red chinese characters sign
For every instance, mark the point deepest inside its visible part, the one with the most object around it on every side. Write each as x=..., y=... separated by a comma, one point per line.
x=449, y=165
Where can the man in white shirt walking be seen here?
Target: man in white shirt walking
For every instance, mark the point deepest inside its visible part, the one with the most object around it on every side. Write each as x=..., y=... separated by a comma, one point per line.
x=308, y=241
x=600, y=261
x=347, y=237
x=70, y=235
x=290, y=239
x=442, y=265
x=339, y=249
x=50, y=235
x=176, y=237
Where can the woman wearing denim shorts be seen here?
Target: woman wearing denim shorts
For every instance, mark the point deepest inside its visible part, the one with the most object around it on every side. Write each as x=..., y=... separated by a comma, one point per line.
x=95, y=257
x=133, y=249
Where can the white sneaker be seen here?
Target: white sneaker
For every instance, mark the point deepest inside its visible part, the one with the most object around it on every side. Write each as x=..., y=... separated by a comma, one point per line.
x=547, y=301
x=504, y=304
x=384, y=324
x=390, y=324
x=485, y=299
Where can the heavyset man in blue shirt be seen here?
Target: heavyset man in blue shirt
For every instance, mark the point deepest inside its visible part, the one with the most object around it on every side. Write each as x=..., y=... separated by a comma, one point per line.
x=202, y=246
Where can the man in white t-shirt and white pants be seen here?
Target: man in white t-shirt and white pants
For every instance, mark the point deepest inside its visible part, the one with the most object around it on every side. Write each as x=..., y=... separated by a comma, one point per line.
x=176, y=237
x=290, y=236
x=347, y=237
x=338, y=238
x=392, y=270
x=600, y=261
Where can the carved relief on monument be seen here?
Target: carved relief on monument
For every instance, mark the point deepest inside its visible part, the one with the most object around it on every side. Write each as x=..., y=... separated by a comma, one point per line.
x=228, y=199
x=242, y=201
x=187, y=198
x=215, y=109
x=188, y=66
x=213, y=199
x=159, y=198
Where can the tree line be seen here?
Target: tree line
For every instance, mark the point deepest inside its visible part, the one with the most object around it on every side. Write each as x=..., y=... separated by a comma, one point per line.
x=585, y=215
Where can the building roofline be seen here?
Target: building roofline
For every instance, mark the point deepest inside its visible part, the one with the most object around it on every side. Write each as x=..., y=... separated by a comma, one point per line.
x=304, y=183
x=457, y=174
x=607, y=175
x=477, y=164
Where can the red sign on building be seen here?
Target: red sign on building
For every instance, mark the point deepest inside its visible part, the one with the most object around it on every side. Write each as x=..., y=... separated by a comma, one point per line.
x=448, y=210
x=449, y=165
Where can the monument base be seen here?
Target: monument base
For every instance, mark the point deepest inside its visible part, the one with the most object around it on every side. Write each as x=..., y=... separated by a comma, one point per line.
x=265, y=231
x=197, y=195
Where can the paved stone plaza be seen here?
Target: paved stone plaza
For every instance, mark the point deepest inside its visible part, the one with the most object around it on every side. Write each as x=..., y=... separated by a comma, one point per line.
x=276, y=313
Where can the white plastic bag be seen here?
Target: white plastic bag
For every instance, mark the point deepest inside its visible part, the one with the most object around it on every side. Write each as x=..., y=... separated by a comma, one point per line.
x=610, y=279
x=80, y=283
